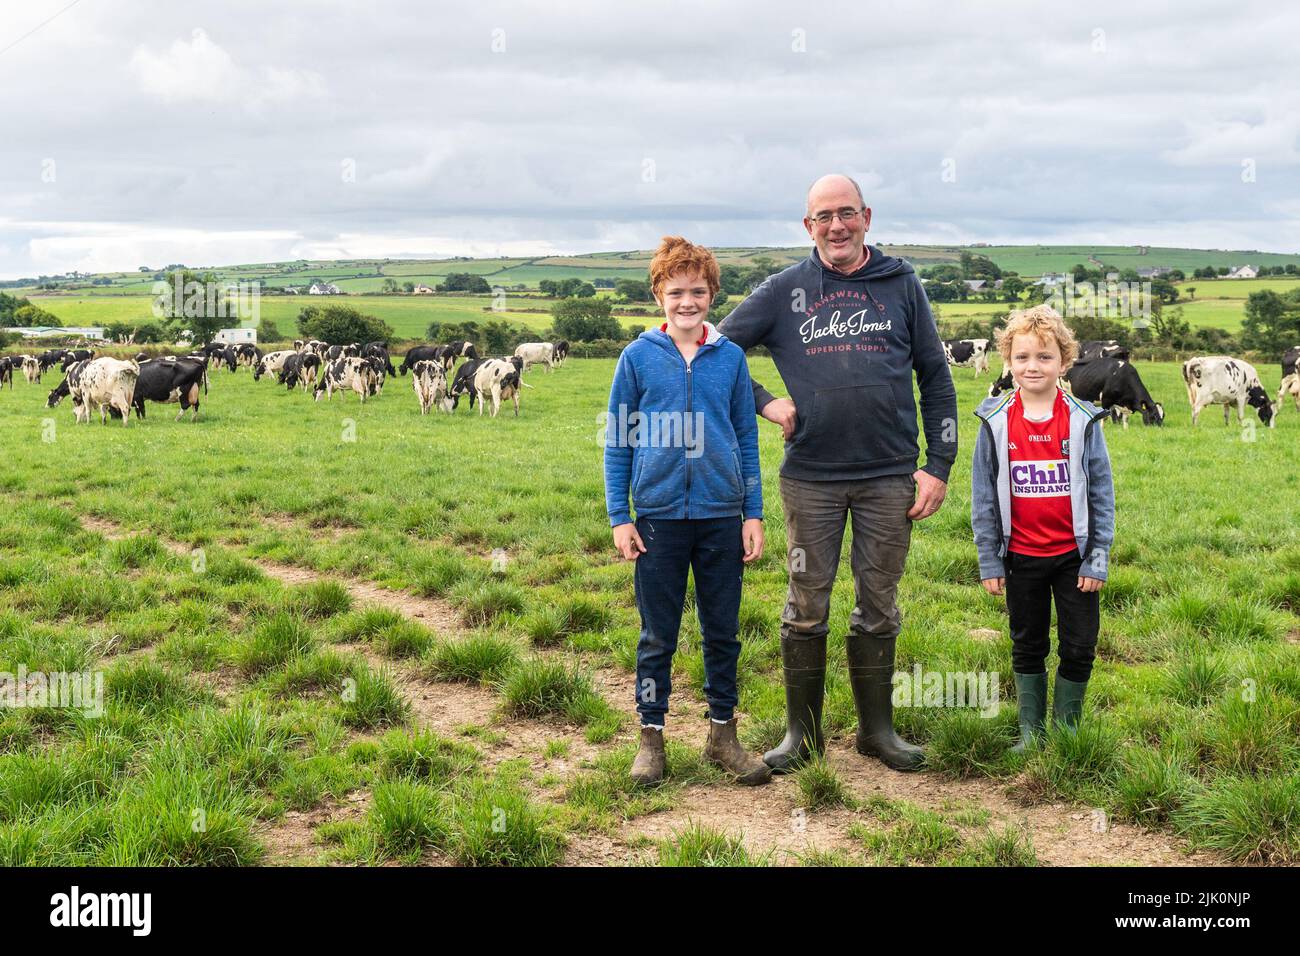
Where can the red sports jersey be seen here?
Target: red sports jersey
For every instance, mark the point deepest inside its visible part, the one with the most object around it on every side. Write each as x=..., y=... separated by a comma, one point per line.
x=1042, y=522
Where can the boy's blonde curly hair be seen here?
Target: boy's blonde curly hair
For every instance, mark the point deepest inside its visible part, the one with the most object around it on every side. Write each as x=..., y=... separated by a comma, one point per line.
x=1046, y=324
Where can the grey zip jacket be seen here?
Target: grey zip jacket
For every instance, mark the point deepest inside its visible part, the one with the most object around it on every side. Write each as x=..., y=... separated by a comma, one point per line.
x=1092, y=493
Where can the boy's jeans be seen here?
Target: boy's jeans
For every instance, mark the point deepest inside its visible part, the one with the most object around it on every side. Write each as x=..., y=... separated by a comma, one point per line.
x=1031, y=584
x=712, y=548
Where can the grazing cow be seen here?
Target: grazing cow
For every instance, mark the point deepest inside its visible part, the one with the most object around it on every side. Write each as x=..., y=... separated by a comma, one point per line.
x=1100, y=348
x=379, y=350
x=561, y=351
x=290, y=373
x=64, y=389
x=1226, y=381
x=225, y=356
x=421, y=353
x=51, y=358
x=102, y=383
x=1290, y=376
x=30, y=365
x=298, y=345
x=494, y=380
x=536, y=353
x=457, y=350
x=430, y=381
x=168, y=381
x=75, y=355
x=7, y=370
x=968, y=353
x=377, y=364
x=348, y=372
x=463, y=383
x=248, y=354
x=271, y=362
x=1114, y=384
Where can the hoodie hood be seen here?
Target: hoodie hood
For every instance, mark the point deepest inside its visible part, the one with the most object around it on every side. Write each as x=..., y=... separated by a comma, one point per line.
x=877, y=266
x=662, y=339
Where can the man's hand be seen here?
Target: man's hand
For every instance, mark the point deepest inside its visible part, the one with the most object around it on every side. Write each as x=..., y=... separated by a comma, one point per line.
x=930, y=492
x=782, y=412
x=628, y=542
x=994, y=585
x=751, y=533
x=1088, y=585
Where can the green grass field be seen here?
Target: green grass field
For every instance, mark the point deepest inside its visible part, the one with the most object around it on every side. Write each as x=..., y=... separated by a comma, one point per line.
x=252, y=585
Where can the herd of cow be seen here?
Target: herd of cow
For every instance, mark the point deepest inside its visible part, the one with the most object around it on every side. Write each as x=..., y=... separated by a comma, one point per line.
x=1104, y=375
x=115, y=386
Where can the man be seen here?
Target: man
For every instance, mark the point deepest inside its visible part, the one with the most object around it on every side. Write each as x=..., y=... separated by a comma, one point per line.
x=847, y=328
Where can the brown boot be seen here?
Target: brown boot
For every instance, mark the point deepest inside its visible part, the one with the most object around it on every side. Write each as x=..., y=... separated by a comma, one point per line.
x=648, y=767
x=724, y=750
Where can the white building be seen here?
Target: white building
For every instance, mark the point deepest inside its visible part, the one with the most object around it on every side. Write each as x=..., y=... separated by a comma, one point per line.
x=236, y=336
x=324, y=288
x=1244, y=272
x=60, y=331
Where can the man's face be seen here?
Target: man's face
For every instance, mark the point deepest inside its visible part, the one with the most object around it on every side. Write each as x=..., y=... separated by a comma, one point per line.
x=839, y=243
x=685, y=299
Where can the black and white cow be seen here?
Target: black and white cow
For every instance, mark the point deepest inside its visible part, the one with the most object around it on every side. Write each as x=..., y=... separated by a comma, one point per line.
x=430, y=381
x=1114, y=384
x=271, y=362
x=1226, y=381
x=75, y=355
x=31, y=369
x=379, y=350
x=561, y=351
x=463, y=383
x=50, y=358
x=968, y=353
x=248, y=354
x=1290, y=376
x=496, y=379
x=101, y=383
x=351, y=372
x=1101, y=348
x=421, y=353
x=6, y=370
x=376, y=363
x=169, y=381
x=536, y=353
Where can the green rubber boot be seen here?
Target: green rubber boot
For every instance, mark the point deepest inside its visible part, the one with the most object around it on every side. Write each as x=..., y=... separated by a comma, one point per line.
x=1031, y=699
x=1067, y=705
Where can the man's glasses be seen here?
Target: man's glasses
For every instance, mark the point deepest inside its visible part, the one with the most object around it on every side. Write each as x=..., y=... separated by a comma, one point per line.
x=847, y=215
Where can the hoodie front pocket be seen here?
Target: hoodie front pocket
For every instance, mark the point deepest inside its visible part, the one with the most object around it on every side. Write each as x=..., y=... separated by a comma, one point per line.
x=853, y=424
x=737, y=474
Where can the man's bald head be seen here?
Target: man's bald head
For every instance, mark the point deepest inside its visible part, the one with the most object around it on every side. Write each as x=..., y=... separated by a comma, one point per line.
x=831, y=186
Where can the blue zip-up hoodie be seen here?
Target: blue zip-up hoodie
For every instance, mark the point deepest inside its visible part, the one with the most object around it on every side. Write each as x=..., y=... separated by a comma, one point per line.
x=1092, y=493
x=682, y=438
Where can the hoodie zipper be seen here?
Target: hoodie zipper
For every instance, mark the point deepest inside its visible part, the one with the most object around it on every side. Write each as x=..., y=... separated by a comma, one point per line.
x=688, y=418
x=997, y=507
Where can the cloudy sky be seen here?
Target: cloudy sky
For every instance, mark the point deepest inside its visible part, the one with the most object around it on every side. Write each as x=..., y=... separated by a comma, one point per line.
x=149, y=132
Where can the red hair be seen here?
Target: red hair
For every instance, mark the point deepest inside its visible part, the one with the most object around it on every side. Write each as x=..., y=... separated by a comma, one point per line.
x=676, y=255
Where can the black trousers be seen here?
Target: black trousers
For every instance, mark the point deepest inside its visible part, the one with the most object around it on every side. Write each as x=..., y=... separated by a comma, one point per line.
x=1032, y=584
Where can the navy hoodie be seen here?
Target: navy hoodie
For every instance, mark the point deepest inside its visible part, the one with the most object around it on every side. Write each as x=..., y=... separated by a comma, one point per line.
x=846, y=347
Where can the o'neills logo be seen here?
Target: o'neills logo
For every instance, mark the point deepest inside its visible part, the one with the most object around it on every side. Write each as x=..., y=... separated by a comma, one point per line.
x=1040, y=479
x=855, y=324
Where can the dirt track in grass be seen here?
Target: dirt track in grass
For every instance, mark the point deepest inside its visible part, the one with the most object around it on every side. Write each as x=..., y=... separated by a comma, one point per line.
x=768, y=818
